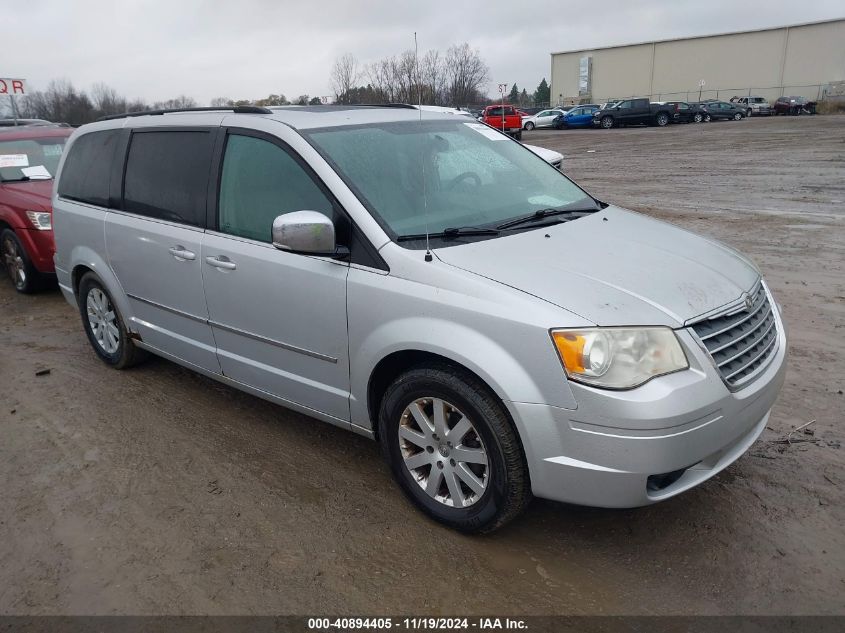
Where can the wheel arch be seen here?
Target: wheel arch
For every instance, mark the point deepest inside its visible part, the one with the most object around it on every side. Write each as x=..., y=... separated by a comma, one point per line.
x=85, y=260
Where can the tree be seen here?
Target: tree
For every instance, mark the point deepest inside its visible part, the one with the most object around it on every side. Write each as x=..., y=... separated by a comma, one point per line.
x=466, y=72
x=61, y=102
x=271, y=100
x=344, y=74
x=315, y=101
x=179, y=103
x=222, y=102
x=513, y=95
x=543, y=93
x=524, y=99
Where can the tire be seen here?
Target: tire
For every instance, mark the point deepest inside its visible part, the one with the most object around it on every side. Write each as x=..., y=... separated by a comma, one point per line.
x=606, y=122
x=662, y=119
x=23, y=275
x=707, y=118
x=697, y=117
x=518, y=135
x=114, y=347
x=748, y=113
x=738, y=116
x=467, y=495
x=529, y=126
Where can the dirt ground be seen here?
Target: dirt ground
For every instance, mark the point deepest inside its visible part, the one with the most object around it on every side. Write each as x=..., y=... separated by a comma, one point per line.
x=157, y=491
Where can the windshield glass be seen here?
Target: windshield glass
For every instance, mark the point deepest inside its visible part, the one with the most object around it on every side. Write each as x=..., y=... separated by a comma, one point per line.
x=443, y=174
x=30, y=159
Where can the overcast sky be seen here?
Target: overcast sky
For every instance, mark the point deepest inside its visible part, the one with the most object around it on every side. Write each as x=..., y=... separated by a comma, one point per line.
x=247, y=49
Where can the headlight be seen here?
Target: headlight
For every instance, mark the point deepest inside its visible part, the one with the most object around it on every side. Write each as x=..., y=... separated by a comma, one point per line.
x=619, y=358
x=40, y=220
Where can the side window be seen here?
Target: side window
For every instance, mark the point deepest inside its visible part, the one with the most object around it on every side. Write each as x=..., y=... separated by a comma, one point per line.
x=261, y=181
x=625, y=105
x=88, y=165
x=167, y=175
x=683, y=106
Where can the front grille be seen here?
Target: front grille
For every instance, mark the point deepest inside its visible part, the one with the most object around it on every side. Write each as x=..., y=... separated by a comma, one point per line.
x=741, y=341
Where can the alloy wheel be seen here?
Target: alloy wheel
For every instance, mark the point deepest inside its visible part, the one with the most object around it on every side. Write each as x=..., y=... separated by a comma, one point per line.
x=13, y=259
x=103, y=321
x=443, y=452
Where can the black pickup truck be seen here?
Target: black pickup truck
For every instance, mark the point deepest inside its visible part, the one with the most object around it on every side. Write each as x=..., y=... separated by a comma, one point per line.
x=634, y=112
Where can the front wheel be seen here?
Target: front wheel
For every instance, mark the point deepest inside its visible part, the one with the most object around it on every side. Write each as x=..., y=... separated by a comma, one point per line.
x=698, y=117
x=529, y=126
x=748, y=112
x=707, y=118
x=607, y=122
x=738, y=116
x=452, y=448
x=17, y=263
x=662, y=119
x=104, y=325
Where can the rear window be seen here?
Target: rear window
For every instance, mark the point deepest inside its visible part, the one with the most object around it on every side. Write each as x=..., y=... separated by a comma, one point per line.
x=88, y=166
x=167, y=175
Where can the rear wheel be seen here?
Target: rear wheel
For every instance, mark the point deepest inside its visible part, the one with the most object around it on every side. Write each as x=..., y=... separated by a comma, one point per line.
x=17, y=263
x=452, y=449
x=104, y=325
x=707, y=118
x=698, y=117
x=662, y=119
x=529, y=126
x=518, y=135
x=607, y=122
x=738, y=116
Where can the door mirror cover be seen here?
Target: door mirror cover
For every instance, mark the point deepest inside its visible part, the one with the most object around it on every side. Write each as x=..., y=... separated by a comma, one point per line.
x=306, y=232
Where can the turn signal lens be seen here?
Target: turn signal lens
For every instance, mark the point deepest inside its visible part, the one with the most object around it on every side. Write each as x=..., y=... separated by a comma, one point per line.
x=619, y=358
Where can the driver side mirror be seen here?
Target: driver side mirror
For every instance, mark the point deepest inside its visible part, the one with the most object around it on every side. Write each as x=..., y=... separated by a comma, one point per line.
x=307, y=233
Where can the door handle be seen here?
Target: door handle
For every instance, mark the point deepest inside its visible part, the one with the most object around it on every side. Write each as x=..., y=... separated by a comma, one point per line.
x=220, y=263
x=180, y=252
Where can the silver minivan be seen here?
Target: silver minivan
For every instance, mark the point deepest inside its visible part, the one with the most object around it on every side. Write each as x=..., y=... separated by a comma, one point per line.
x=428, y=282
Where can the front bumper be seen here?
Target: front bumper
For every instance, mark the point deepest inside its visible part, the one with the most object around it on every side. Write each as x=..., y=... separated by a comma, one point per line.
x=632, y=448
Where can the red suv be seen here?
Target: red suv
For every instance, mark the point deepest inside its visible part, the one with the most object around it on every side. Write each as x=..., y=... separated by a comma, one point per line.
x=29, y=157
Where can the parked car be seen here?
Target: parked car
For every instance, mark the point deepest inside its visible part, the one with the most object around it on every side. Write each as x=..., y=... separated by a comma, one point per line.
x=714, y=109
x=794, y=105
x=579, y=116
x=29, y=157
x=426, y=283
x=22, y=122
x=754, y=106
x=553, y=158
x=505, y=118
x=633, y=112
x=684, y=112
x=544, y=118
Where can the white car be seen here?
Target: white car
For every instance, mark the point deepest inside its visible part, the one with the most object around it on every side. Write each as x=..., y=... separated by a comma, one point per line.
x=543, y=118
x=555, y=159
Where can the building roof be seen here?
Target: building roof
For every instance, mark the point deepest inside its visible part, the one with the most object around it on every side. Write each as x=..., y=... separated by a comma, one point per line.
x=698, y=37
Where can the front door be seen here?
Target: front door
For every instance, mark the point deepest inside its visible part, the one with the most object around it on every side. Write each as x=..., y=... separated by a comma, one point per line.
x=279, y=319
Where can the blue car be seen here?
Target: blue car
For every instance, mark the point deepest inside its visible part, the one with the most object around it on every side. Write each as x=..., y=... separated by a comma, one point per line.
x=579, y=116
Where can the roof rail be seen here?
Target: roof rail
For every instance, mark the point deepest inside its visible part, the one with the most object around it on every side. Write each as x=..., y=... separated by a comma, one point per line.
x=245, y=109
x=384, y=105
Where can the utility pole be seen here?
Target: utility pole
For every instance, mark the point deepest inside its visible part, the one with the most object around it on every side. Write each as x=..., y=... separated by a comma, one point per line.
x=502, y=89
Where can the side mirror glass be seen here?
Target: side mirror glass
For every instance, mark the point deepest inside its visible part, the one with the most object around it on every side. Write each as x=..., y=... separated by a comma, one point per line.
x=306, y=232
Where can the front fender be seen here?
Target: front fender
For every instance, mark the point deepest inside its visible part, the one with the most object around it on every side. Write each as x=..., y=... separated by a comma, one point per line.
x=535, y=376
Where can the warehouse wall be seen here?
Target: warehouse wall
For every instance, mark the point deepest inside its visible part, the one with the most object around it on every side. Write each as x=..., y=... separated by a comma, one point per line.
x=770, y=63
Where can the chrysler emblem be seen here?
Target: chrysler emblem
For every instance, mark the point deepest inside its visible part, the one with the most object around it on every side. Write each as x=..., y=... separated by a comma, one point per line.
x=749, y=302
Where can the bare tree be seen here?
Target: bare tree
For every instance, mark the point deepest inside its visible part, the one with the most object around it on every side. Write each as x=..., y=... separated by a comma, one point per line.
x=180, y=102
x=60, y=102
x=433, y=77
x=467, y=73
x=222, y=102
x=345, y=73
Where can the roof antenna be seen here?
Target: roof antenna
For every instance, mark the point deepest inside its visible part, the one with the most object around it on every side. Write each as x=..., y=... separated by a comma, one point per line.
x=428, y=256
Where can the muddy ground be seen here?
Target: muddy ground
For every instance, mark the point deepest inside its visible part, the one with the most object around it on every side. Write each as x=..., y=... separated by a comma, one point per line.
x=158, y=491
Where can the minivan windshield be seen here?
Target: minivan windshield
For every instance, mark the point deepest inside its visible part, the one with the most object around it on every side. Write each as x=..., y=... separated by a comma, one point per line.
x=30, y=159
x=418, y=176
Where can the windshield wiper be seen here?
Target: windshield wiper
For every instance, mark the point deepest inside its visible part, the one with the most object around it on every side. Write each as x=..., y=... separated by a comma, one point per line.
x=540, y=214
x=451, y=233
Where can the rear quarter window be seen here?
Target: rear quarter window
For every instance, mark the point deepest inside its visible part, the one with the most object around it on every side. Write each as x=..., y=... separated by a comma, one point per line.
x=86, y=173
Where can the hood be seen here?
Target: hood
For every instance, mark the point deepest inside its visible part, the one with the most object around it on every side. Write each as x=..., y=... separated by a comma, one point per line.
x=548, y=155
x=32, y=194
x=614, y=267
